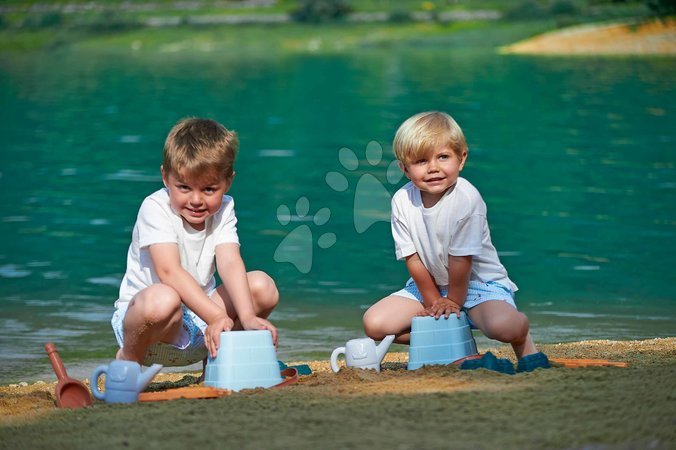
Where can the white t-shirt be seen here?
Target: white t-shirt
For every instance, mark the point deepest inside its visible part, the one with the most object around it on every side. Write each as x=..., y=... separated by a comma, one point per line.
x=157, y=223
x=456, y=226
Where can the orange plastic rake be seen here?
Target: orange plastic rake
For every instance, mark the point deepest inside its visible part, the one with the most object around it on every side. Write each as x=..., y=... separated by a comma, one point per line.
x=573, y=362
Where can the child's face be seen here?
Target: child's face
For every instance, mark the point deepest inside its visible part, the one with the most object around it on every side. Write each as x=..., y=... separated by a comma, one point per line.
x=194, y=198
x=434, y=173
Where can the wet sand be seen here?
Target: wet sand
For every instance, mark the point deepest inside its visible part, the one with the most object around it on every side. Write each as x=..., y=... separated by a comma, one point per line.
x=657, y=37
x=433, y=407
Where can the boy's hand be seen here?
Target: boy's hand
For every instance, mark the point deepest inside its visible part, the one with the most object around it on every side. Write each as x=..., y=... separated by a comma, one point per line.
x=443, y=306
x=212, y=334
x=258, y=323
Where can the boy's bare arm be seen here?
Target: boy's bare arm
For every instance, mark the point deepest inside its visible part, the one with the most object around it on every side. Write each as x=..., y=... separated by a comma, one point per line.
x=167, y=264
x=232, y=271
x=423, y=280
x=459, y=270
x=233, y=275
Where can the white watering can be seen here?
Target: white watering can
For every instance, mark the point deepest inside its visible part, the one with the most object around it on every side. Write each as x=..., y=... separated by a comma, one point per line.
x=362, y=353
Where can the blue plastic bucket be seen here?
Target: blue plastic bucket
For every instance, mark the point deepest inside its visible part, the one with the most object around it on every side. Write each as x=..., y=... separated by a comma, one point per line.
x=245, y=360
x=439, y=341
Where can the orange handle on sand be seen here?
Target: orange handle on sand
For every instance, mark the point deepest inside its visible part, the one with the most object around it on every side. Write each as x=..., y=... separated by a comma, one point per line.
x=290, y=374
x=573, y=362
x=184, y=392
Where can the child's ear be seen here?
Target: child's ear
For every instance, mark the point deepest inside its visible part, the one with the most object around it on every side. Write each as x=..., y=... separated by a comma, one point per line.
x=463, y=159
x=403, y=169
x=228, y=182
x=164, y=176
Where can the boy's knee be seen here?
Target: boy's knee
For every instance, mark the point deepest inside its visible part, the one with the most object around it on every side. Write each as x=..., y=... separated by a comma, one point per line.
x=374, y=326
x=263, y=290
x=158, y=303
x=509, y=330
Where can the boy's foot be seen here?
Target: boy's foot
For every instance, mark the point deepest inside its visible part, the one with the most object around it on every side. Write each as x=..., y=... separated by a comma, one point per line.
x=529, y=363
x=120, y=355
x=490, y=362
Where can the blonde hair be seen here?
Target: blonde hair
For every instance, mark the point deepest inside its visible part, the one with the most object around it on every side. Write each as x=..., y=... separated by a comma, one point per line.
x=425, y=132
x=200, y=147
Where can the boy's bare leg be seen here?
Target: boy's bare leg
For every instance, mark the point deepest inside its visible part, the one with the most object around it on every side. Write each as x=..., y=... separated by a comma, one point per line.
x=154, y=315
x=264, y=296
x=501, y=321
x=527, y=347
x=391, y=315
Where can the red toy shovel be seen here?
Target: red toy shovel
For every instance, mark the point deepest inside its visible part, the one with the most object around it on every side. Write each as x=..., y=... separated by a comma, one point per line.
x=70, y=393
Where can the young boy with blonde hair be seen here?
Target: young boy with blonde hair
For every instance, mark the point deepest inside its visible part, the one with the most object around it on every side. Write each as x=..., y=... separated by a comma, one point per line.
x=170, y=310
x=439, y=227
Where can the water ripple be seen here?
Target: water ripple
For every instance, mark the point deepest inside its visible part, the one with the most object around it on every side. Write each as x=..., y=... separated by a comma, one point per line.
x=13, y=271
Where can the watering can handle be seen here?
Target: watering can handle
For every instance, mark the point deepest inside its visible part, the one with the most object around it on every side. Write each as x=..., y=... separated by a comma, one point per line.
x=94, y=382
x=334, y=358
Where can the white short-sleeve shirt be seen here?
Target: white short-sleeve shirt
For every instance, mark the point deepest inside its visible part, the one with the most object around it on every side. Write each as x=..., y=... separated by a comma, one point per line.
x=158, y=223
x=456, y=225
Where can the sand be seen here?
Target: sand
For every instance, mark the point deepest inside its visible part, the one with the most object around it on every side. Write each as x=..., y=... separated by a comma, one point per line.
x=657, y=37
x=433, y=407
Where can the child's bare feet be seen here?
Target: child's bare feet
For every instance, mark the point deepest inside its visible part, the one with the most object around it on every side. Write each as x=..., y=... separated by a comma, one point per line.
x=123, y=356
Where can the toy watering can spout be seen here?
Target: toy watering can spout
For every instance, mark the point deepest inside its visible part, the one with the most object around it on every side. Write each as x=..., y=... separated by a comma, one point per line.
x=381, y=349
x=146, y=376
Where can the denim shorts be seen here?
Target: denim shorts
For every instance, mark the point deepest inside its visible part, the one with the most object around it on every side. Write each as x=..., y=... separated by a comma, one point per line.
x=188, y=350
x=477, y=293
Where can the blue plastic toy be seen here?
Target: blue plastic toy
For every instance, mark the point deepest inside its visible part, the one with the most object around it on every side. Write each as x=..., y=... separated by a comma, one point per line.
x=124, y=381
x=245, y=360
x=440, y=341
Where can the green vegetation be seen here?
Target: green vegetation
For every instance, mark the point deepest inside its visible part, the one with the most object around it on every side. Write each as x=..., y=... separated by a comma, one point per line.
x=55, y=23
x=295, y=38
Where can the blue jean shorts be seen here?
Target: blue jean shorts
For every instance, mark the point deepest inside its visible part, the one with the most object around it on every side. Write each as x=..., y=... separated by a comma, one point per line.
x=477, y=293
x=188, y=350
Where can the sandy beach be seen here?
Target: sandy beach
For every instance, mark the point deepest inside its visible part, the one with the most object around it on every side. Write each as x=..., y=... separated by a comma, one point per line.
x=433, y=407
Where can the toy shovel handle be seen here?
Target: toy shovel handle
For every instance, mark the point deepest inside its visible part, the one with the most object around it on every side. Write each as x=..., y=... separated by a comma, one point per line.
x=290, y=376
x=334, y=358
x=94, y=382
x=57, y=364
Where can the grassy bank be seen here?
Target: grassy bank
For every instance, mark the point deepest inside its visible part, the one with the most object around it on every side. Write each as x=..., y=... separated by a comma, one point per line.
x=297, y=38
x=53, y=24
x=313, y=38
x=436, y=407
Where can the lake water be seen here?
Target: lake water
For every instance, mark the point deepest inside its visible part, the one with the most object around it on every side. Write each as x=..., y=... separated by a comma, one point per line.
x=574, y=157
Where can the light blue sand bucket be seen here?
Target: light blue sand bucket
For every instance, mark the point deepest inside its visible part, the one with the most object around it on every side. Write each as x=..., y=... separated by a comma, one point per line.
x=245, y=360
x=439, y=341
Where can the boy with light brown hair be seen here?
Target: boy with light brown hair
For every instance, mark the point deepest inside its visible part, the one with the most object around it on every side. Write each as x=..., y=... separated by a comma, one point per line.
x=170, y=310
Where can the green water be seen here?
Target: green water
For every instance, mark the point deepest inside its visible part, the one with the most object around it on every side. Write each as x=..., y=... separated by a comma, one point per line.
x=574, y=157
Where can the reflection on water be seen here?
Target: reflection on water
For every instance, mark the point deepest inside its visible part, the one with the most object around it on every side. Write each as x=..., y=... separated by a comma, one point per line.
x=574, y=158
